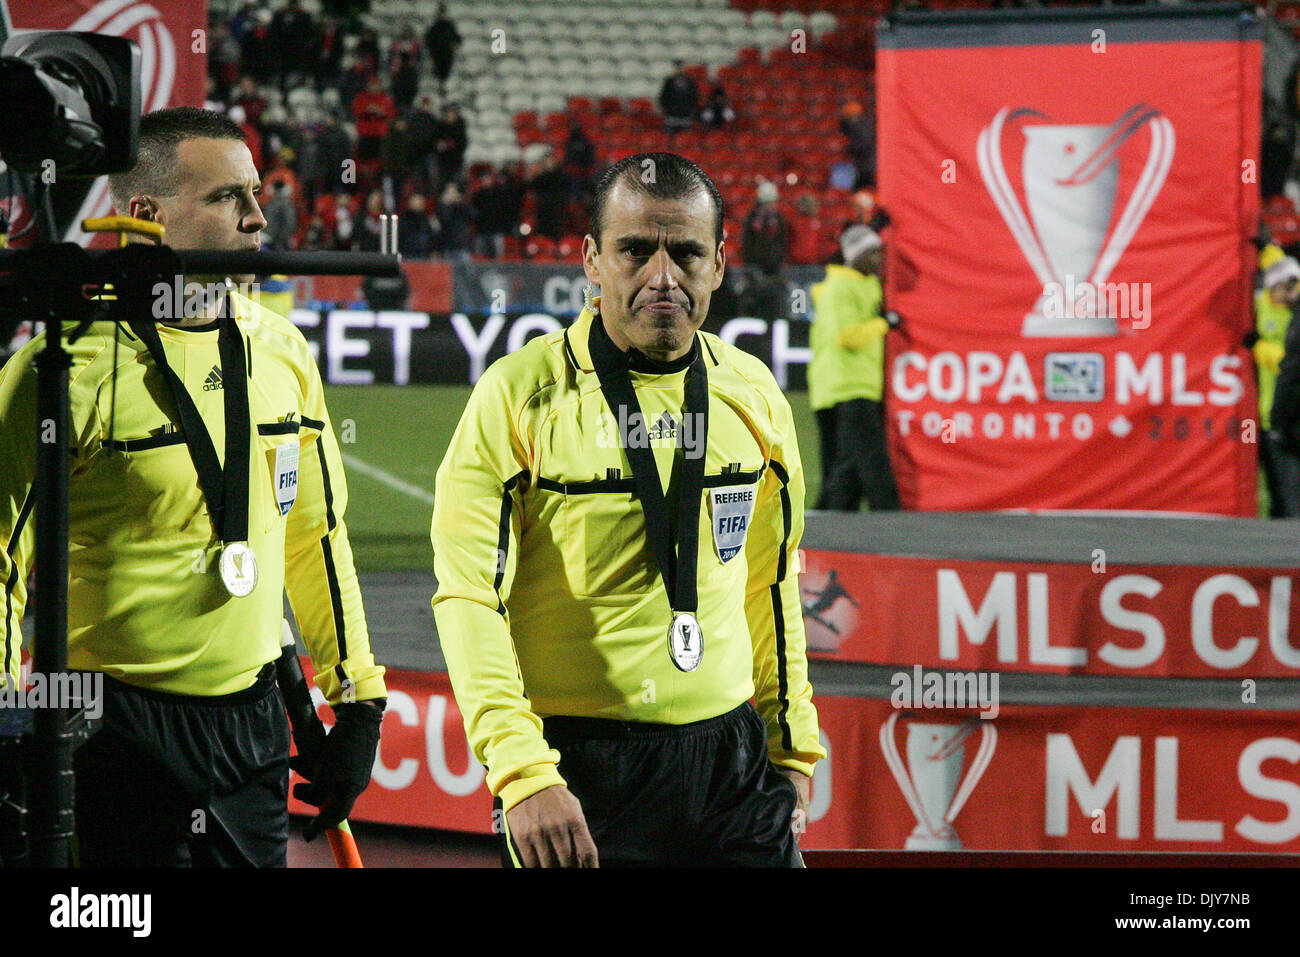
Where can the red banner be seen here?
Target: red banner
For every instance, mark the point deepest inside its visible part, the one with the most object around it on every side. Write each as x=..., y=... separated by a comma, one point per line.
x=172, y=36
x=1072, y=210
x=1059, y=778
x=1152, y=620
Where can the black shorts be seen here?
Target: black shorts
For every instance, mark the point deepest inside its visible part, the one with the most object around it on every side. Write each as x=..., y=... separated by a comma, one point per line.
x=694, y=795
x=180, y=781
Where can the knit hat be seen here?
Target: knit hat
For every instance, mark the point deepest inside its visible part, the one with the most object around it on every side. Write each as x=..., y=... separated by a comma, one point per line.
x=858, y=240
x=1281, y=271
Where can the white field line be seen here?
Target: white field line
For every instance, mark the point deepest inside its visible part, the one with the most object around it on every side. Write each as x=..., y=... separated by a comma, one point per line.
x=389, y=479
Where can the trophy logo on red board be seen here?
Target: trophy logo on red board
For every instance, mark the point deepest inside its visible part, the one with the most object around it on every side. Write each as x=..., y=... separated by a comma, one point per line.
x=1070, y=176
x=931, y=780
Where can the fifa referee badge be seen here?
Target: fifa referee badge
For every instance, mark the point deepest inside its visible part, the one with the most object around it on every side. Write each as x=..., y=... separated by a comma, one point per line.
x=686, y=642
x=238, y=569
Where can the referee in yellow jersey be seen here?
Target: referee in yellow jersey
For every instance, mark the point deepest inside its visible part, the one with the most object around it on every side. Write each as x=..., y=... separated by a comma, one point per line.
x=205, y=480
x=616, y=532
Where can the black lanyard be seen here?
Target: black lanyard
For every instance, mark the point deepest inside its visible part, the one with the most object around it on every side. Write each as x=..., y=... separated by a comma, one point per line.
x=224, y=490
x=677, y=564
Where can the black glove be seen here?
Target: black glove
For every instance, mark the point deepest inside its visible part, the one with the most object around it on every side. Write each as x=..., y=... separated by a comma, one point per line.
x=343, y=769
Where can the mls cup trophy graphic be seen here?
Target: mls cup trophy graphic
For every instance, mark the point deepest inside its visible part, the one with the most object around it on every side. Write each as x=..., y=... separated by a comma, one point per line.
x=1070, y=174
x=931, y=781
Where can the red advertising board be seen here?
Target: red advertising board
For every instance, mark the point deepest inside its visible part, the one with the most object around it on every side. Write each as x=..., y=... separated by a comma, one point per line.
x=1030, y=778
x=172, y=36
x=1149, y=620
x=1073, y=198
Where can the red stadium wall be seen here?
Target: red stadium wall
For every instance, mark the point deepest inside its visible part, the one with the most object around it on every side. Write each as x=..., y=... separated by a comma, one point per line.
x=1023, y=156
x=1033, y=778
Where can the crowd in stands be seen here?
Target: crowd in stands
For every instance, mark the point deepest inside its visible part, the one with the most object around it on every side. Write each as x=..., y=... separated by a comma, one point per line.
x=368, y=143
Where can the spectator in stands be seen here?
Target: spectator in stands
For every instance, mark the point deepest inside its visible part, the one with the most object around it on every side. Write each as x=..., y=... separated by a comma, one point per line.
x=764, y=246
x=281, y=170
x=415, y=233
x=368, y=47
x=496, y=211
x=308, y=166
x=397, y=154
x=327, y=54
x=579, y=161
x=551, y=196
x=717, y=110
x=279, y=132
x=281, y=218
x=809, y=232
x=424, y=125
x=223, y=65
x=679, y=98
x=452, y=139
x=356, y=77
x=256, y=59
x=846, y=375
x=317, y=236
x=765, y=235
x=1275, y=306
x=251, y=136
x=369, y=240
x=860, y=128
x=292, y=33
x=335, y=151
x=343, y=229
x=404, y=67
x=374, y=110
x=442, y=39
x=456, y=222
x=243, y=21
x=252, y=102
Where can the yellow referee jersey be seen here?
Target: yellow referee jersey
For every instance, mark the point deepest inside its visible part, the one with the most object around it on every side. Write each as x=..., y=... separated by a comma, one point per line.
x=146, y=602
x=550, y=601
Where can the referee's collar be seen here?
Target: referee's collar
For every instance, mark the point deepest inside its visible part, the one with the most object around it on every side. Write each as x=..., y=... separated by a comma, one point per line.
x=577, y=342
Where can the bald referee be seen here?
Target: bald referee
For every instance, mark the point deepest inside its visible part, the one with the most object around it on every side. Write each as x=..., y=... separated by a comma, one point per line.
x=205, y=481
x=616, y=531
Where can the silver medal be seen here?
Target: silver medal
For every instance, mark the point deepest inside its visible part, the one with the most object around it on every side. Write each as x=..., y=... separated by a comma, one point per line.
x=686, y=642
x=238, y=569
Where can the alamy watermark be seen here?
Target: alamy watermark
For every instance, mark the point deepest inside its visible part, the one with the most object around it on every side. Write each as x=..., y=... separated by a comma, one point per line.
x=194, y=300
x=921, y=689
x=1105, y=300
x=633, y=430
x=70, y=689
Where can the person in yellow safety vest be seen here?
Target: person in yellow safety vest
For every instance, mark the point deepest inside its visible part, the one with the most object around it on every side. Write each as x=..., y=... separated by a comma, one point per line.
x=1274, y=304
x=846, y=377
x=276, y=293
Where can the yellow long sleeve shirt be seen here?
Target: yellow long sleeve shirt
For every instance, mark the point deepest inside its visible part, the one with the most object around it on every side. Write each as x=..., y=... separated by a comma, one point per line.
x=843, y=301
x=550, y=601
x=146, y=603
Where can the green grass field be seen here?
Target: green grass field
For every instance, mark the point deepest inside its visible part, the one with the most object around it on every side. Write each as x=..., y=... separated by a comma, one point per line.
x=394, y=436
x=393, y=439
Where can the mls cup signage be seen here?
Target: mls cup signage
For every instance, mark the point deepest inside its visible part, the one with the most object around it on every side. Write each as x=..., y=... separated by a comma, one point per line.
x=1070, y=175
x=1073, y=197
x=936, y=779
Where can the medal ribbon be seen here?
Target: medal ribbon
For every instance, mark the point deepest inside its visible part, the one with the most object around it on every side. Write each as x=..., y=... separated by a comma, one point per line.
x=224, y=490
x=676, y=548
